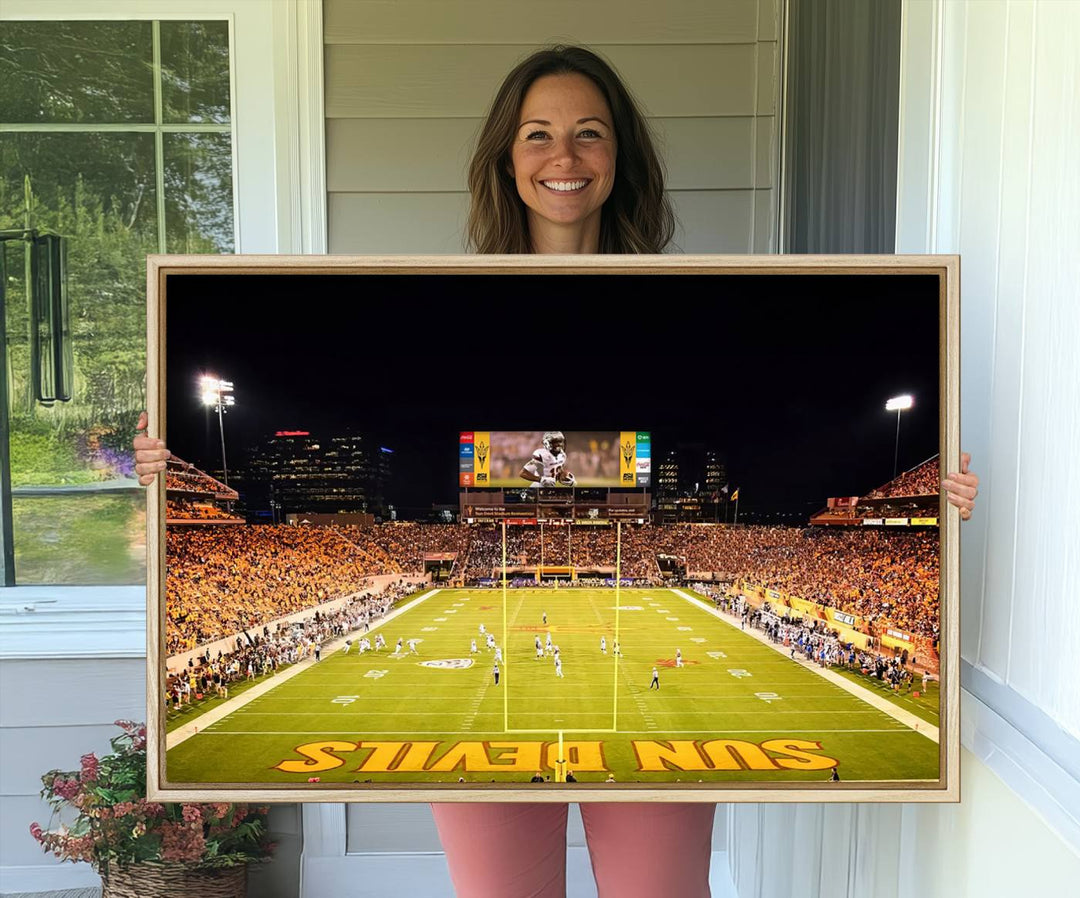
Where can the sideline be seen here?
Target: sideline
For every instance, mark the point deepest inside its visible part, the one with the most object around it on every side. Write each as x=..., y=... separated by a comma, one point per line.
x=182, y=734
x=909, y=720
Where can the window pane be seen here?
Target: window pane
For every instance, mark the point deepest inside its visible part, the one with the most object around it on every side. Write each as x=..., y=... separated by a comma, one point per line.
x=97, y=190
x=198, y=193
x=76, y=72
x=195, y=72
x=81, y=540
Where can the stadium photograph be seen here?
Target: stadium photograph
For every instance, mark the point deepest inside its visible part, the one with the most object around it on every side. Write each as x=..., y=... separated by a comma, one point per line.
x=411, y=543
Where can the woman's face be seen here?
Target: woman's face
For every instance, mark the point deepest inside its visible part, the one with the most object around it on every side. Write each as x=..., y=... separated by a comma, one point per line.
x=563, y=154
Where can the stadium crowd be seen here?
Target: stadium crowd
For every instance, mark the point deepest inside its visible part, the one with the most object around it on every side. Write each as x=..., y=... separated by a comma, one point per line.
x=224, y=579
x=407, y=543
x=265, y=651
x=812, y=638
x=181, y=510
x=925, y=480
x=221, y=580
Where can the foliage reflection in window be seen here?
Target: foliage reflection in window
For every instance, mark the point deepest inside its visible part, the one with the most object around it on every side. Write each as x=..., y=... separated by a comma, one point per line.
x=118, y=137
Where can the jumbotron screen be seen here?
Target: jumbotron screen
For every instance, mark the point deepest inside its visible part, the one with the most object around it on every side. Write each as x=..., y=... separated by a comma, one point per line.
x=524, y=458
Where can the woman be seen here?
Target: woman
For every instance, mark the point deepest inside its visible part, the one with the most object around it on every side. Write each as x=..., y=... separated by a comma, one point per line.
x=565, y=164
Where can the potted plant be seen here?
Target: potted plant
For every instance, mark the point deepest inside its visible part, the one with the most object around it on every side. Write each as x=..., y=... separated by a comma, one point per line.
x=143, y=848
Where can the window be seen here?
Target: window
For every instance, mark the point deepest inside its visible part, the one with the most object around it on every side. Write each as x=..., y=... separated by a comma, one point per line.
x=116, y=135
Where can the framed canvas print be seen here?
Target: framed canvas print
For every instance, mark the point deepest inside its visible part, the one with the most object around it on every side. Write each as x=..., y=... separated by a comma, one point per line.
x=554, y=528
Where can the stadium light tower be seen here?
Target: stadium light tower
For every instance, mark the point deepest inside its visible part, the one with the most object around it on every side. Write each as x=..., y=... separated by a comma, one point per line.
x=898, y=404
x=218, y=393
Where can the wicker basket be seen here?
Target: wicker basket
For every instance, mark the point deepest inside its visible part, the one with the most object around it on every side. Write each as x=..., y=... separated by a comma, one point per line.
x=149, y=880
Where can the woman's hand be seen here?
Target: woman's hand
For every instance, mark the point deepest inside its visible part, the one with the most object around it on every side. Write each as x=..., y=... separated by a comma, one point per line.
x=150, y=454
x=962, y=488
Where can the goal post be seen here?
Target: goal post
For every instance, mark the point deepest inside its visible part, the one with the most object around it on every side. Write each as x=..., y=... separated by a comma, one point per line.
x=544, y=552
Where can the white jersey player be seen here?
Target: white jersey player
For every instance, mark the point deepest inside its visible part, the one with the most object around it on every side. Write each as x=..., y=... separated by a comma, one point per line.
x=547, y=467
x=548, y=646
x=490, y=641
x=400, y=642
x=678, y=658
x=412, y=647
x=473, y=649
x=380, y=642
x=603, y=645
x=483, y=629
x=558, y=667
x=498, y=654
x=539, y=650
x=537, y=640
x=615, y=649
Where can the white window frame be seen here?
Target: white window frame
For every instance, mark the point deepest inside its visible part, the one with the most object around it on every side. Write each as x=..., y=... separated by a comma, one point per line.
x=1004, y=729
x=279, y=201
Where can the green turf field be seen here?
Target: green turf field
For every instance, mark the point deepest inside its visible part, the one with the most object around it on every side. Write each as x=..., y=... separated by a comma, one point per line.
x=737, y=711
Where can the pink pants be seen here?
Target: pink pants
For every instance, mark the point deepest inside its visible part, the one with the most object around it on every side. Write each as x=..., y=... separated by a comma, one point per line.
x=638, y=850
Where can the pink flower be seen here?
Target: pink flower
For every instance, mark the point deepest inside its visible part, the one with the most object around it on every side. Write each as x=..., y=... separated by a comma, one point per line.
x=192, y=813
x=36, y=832
x=314, y=779
x=180, y=842
x=89, y=767
x=65, y=788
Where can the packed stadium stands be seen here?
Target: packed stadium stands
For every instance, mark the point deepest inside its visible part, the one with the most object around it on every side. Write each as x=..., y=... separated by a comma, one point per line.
x=224, y=579
x=221, y=579
x=924, y=480
x=183, y=479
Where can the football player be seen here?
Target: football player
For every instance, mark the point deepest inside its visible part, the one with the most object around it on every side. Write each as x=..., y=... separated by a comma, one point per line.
x=547, y=467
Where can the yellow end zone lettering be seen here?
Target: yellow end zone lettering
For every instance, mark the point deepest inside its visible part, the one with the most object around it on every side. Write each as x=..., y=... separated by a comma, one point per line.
x=729, y=754
x=581, y=756
x=318, y=757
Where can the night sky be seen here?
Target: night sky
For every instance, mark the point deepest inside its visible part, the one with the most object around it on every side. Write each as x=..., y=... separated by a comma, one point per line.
x=785, y=376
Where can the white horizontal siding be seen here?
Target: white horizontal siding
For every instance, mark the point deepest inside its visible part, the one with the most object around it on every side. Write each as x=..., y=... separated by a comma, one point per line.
x=372, y=223
x=52, y=713
x=407, y=81
x=29, y=751
x=408, y=84
x=522, y=22
x=71, y=693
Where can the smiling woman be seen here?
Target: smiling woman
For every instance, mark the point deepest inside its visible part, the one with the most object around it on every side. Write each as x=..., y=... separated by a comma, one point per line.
x=565, y=163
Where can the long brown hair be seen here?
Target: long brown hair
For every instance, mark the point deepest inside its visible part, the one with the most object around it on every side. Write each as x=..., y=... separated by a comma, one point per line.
x=637, y=216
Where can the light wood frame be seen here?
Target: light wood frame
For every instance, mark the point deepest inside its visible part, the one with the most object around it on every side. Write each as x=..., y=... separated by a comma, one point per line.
x=947, y=268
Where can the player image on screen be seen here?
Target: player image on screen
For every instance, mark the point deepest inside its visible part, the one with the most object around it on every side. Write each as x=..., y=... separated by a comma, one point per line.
x=547, y=465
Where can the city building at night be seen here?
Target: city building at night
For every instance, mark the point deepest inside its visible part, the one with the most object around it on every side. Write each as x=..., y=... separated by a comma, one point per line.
x=298, y=472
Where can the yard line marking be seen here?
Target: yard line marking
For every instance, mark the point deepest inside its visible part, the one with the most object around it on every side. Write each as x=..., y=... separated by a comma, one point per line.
x=704, y=733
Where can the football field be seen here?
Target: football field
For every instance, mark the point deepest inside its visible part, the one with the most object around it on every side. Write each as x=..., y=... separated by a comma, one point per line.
x=737, y=710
